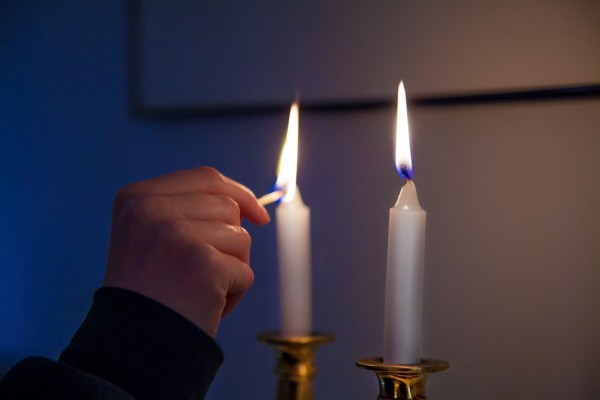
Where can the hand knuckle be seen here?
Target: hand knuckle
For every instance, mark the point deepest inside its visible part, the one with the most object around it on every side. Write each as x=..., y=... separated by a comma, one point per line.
x=124, y=195
x=231, y=206
x=175, y=232
x=207, y=261
x=244, y=236
x=147, y=206
x=249, y=276
x=210, y=173
x=239, y=235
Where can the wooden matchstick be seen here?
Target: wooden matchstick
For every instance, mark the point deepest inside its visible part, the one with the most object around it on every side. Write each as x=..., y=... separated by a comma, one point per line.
x=270, y=197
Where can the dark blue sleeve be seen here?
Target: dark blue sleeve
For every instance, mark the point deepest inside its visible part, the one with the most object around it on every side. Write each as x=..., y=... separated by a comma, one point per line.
x=130, y=345
x=42, y=378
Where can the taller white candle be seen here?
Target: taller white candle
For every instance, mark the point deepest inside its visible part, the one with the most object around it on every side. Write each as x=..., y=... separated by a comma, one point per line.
x=293, y=241
x=406, y=250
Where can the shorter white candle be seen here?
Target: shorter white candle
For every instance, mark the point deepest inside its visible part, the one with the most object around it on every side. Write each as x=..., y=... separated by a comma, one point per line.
x=293, y=240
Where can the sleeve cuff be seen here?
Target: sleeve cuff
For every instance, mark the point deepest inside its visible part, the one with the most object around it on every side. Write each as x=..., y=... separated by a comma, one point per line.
x=145, y=348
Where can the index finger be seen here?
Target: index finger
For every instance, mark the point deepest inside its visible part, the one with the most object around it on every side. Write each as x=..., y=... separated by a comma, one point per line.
x=207, y=180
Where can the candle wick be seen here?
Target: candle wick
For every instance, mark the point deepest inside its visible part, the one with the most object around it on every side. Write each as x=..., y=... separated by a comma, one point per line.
x=404, y=172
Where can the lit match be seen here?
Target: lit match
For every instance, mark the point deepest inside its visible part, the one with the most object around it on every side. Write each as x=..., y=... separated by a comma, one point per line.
x=271, y=197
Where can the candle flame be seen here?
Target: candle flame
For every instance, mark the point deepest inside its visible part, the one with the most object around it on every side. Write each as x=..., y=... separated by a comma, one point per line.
x=403, y=157
x=288, y=162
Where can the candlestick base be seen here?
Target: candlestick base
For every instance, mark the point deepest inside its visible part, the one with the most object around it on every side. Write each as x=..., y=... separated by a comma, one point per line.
x=402, y=381
x=295, y=365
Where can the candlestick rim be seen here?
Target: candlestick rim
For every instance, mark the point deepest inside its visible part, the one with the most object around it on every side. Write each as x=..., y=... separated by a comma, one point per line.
x=276, y=338
x=427, y=365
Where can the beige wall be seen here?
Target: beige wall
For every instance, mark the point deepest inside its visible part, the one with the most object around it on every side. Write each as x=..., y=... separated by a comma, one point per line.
x=513, y=261
x=512, y=191
x=512, y=254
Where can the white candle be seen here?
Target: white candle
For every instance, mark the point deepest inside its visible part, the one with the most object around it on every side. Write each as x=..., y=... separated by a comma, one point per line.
x=293, y=245
x=293, y=241
x=406, y=250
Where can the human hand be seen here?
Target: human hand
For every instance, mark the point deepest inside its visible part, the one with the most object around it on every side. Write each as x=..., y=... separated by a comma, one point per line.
x=177, y=239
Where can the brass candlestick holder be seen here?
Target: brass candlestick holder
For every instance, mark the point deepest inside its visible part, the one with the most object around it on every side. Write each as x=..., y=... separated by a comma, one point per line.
x=402, y=381
x=295, y=367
